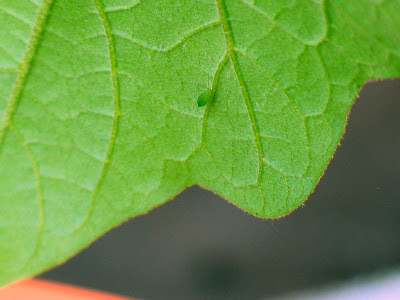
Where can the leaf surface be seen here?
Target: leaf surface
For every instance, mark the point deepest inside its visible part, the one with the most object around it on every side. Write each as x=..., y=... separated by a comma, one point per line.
x=100, y=120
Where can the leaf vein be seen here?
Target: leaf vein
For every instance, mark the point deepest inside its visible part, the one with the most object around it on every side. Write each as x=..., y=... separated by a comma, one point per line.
x=272, y=21
x=364, y=30
x=38, y=190
x=117, y=114
x=25, y=67
x=231, y=52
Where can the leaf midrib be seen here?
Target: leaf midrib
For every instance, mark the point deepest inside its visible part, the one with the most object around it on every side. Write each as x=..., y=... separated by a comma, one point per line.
x=231, y=52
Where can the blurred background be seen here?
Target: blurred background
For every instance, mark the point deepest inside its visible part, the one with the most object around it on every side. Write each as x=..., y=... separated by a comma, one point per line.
x=198, y=246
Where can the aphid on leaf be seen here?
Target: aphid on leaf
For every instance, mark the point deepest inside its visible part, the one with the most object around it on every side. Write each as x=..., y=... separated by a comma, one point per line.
x=204, y=98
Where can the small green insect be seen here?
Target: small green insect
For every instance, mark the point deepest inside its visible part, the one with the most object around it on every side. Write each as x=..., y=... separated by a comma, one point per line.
x=204, y=98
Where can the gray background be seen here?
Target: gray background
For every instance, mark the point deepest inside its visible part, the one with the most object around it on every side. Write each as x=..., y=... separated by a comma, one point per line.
x=198, y=246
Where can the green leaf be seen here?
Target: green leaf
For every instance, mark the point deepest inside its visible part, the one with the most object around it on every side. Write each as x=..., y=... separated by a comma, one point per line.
x=100, y=120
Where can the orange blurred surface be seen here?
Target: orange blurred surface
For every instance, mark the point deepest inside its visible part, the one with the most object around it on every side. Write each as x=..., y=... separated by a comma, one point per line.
x=33, y=289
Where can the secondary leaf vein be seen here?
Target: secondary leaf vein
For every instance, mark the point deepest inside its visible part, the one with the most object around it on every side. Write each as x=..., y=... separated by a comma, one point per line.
x=117, y=113
x=25, y=67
